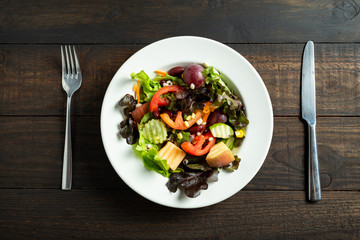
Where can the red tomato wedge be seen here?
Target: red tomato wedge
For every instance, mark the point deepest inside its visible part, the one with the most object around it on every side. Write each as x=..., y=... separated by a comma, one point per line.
x=196, y=148
x=139, y=112
x=157, y=101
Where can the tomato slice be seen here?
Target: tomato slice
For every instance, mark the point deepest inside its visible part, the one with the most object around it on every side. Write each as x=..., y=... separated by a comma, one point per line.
x=139, y=112
x=157, y=101
x=179, y=123
x=196, y=148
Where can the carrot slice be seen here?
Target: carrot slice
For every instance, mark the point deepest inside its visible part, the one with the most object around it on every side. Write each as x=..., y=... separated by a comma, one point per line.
x=138, y=91
x=206, y=117
x=161, y=73
x=135, y=87
x=207, y=107
x=207, y=110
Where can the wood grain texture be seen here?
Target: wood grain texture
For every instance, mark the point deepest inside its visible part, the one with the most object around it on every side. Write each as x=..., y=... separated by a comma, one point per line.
x=229, y=21
x=122, y=214
x=32, y=149
x=32, y=153
x=31, y=77
x=336, y=72
x=286, y=163
x=270, y=34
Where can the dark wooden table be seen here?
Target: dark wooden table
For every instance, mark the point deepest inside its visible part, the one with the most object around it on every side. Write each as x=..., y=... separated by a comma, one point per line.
x=270, y=34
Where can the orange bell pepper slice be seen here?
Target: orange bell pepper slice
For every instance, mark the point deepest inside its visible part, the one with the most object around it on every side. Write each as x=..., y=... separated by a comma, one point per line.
x=179, y=123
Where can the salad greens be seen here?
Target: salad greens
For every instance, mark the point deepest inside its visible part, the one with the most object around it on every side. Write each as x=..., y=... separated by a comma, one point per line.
x=168, y=121
x=149, y=154
x=149, y=86
x=191, y=182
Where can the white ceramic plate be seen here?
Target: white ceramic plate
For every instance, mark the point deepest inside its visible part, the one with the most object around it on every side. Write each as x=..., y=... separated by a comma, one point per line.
x=162, y=55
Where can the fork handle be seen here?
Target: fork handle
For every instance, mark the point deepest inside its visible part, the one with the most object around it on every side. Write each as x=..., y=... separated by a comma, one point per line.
x=67, y=162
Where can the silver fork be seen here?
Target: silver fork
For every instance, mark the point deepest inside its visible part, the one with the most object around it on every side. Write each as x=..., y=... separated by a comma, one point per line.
x=71, y=81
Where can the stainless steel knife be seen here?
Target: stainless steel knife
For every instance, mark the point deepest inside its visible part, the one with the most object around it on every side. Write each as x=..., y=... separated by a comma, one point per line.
x=308, y=108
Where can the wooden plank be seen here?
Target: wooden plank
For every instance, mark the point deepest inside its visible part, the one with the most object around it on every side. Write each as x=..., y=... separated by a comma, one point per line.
x=286, y=163
x=32, y=153
x=31, y=77
x=230, y=21
x=122, y=214
x=32, y=149
x=337, y=76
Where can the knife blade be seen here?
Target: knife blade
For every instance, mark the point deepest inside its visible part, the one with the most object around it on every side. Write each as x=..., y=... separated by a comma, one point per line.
x=308, y=112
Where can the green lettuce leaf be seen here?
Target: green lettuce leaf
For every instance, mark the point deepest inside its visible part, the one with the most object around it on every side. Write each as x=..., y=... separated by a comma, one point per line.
x=232, y=102
x=153, y=162
x=149, y=154
x=176, y=80
x=224, y=97
x=237, y=118
x=220, y=92
x=149, y=87
x=213, y=77
x=185, y=137
x=149, y=115
x=229, y=142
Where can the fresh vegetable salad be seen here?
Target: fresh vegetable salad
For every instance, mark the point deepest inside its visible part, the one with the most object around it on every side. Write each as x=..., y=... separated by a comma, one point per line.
x=184, y=124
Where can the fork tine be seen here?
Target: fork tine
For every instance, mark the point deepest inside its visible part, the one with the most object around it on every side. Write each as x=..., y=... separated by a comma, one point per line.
x=63, y=61
x=77, y=65
x=67, y=60
x=71, y=53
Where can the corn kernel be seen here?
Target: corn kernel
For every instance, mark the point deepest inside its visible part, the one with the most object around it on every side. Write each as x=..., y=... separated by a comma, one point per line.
x=198, y=122
x=193, y=115
x=186, y=123
x=179, y=135
x=188, y=118
x=239, y=133
x=192, y=86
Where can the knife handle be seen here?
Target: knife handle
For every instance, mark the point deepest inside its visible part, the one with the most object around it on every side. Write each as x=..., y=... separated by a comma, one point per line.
x=314, y=176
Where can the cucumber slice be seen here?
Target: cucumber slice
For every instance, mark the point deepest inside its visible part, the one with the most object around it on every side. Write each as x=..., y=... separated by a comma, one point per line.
x=155, y=131
x=221, y=130
x=229, y=142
